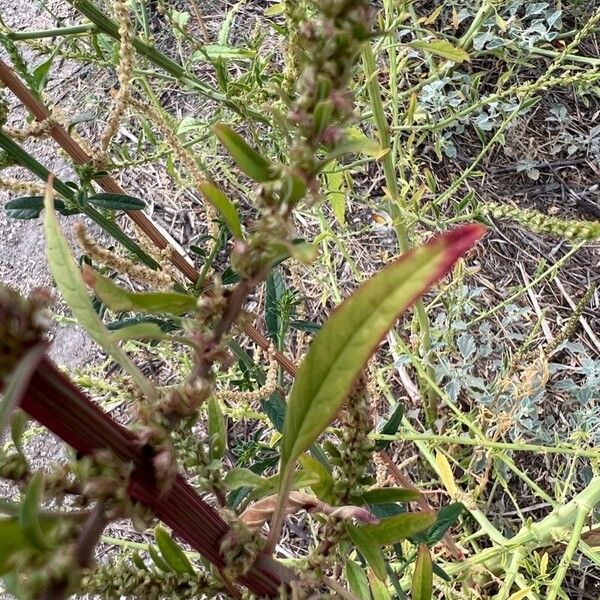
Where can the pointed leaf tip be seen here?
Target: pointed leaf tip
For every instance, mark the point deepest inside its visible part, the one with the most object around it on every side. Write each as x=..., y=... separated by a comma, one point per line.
x=351, y=334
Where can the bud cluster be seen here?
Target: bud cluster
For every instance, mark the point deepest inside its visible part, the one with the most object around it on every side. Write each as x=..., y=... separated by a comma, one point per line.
x=23, y=324
x=126, y=580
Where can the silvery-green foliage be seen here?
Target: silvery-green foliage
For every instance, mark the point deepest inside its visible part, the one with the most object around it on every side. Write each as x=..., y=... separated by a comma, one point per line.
x=471, y=361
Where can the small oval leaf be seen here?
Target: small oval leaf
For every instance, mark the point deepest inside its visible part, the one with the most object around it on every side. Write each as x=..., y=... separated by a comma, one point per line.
x=349, y=337
x=247, y=158
x=422, y=581
x=116, y=202
x=225, y=207
x=174, y=556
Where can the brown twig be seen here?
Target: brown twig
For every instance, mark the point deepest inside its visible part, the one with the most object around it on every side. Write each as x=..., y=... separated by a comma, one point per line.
x=108, y=184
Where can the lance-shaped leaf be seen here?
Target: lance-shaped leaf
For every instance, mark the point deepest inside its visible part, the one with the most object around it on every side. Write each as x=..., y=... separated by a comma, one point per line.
x=252, y=163
x=370, y=550
x=70, y=282
x=116, y=201
x=121, y=300
x=352, y=333
x=29, y=514
x=225, y=207
x=217, y=429
x=174, y=556
x=422, y=581
x=446, y=517
x=400, y=527
x=443, y=49
x=30, y=207
x=357, y=580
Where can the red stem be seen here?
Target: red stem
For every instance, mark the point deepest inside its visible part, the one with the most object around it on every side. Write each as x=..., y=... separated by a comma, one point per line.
x=58, y=405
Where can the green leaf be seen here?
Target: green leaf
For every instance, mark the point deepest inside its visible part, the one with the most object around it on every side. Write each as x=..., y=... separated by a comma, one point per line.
x=275, y=289
x=139, y=331
x=41, y=74
x=158, y=560
x=446, y=517
x=241, y=477
x=18, y=383
x=443, y=49
x=301, y=479
x=222, y=52
x=70, y=282
x=121, y=300
x=422, y=581
x=30, y=207
x=225, y=207
x=217, y=429
x=385, y=495
x=247, y=158
x=369, y=548
x=292, y=188
x=336, y=193
x=437, y=570
x=391, y=425
x=18, y=424
x=357, y=580
x=400, y=527
x=138, y=561
x=275, y=9
x=174, y=556
x=343, y=345
x=265, y=486
x=12, y=541
x=323, y=487
x=323, y=115
x=379, y=590
x=29, y=514
x=116, y=202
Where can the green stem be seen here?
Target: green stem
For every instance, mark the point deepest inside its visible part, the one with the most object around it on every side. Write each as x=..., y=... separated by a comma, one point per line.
x=405, y=435
x=56, y=32
x=511, y=574
x=555, y=587
x=482, y=14
x=24, y=159
x=557, y=525
x=286, y=475
x=396, y=208
x=587, y=60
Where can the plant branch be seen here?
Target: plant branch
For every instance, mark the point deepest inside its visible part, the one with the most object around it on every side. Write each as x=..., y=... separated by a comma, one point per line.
x=58, y=405
x=108, y=184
